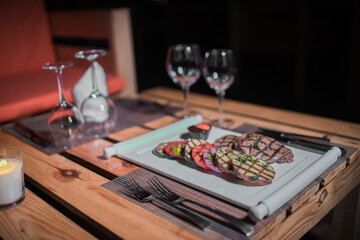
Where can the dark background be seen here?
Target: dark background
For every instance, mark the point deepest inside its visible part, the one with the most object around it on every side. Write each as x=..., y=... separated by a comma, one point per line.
x=298, y=55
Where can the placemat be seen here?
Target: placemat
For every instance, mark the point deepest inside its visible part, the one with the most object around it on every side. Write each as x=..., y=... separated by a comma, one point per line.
x=131, y=112
x=218, y=229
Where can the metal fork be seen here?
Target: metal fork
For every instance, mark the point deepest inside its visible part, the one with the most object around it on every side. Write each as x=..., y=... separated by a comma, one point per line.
x=166, y=193
x=145, y=196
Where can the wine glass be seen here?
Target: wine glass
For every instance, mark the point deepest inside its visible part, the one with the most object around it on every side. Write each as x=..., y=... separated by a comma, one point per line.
x=219, y=72
x=65, y=120
x=99, y=111
x=183, y=64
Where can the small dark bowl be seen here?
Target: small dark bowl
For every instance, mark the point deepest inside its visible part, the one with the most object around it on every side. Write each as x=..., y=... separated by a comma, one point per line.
x=199, y=133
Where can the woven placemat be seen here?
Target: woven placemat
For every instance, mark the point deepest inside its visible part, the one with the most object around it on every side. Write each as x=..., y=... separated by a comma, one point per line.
x=131, y=112
x=218, y=229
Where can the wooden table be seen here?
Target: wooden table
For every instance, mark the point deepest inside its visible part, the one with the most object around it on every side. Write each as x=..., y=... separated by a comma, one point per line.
x=64, y=199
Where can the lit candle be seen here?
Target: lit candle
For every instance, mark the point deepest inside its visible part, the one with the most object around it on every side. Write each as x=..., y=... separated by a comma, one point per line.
x=11, y=177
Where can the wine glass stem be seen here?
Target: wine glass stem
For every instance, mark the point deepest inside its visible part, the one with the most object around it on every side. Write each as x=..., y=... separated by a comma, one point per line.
x=186, y=102
x=60, y=85
x=93, y=77
x=221, y=95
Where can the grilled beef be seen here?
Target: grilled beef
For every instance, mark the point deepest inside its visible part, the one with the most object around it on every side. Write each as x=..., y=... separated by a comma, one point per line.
x=263, y=147
x=225, y=141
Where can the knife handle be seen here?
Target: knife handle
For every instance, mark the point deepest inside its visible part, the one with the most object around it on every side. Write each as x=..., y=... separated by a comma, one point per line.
x=319, y=146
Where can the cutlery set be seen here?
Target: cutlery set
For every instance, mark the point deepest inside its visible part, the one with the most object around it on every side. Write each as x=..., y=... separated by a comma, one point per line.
x=161, y=193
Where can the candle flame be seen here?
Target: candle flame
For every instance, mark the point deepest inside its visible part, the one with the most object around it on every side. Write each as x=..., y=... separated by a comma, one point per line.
x=3, y=163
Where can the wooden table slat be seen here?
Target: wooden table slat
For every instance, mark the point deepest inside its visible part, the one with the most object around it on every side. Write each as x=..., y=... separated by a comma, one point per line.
x=35, y=219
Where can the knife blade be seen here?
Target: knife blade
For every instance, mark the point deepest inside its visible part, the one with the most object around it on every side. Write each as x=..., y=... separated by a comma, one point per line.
x=294, y=136
x=37, y=137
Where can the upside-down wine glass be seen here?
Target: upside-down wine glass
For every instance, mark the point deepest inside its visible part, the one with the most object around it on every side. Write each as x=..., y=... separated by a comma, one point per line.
x=99, y=111
x=219, y=72
x=65, y=120
x=183, y=64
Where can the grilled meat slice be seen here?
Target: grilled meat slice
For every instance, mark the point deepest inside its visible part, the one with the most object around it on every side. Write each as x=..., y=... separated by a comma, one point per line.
x=225, y=141
x=264, y=148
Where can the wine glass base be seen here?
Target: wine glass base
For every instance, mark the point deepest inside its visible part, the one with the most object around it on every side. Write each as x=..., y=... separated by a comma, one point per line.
x=222, y=123
x=183, y=114
x=99, y=129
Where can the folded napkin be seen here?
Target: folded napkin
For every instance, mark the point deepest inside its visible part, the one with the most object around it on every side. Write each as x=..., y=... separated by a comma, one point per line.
x=83, y=89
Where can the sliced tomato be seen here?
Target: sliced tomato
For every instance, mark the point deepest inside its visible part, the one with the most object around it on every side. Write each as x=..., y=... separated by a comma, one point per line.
x=198, y=152
x=168, y=148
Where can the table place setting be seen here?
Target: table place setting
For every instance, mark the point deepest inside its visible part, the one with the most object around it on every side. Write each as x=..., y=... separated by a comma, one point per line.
x=260, y=204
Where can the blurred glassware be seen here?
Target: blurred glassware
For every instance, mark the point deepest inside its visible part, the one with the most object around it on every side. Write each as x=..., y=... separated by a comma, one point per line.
x=65, y=120
x=98, y=110
x=219, y=72
x=183, y=64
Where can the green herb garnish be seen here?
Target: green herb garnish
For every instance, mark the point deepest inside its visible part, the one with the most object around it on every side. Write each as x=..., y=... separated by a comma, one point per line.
x=254, y=178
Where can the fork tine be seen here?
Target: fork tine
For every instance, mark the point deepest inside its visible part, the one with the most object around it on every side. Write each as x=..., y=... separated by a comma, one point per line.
x=131, y=187
x=145, y=196
x=157, y=186
x=164, y=186
x=153, y=187
x=138, y=186
x=158, y=190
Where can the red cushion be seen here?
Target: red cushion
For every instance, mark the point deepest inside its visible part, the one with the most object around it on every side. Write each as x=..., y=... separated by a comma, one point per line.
x=36, y=91
x=25, y=42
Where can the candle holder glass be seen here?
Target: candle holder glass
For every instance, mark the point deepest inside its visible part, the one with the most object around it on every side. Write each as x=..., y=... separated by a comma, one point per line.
x=12, y=187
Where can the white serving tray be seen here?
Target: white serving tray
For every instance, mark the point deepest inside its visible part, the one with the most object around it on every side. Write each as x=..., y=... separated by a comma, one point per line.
x=290, y=178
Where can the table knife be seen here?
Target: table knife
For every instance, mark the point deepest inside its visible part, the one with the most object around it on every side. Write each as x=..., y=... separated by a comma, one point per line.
x=304, y=143
x=37, y=137
x=294, y=136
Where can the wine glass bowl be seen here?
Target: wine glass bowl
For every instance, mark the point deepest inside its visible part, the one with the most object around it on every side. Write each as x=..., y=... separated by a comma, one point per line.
x=183, y=65
x=99, y=111
x=219, y=71
x=65, y=120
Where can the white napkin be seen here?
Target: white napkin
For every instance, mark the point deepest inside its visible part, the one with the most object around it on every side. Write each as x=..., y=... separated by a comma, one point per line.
x=83, y=89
